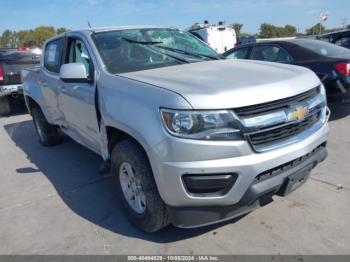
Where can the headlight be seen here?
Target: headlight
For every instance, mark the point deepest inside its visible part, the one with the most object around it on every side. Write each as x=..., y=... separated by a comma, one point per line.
x=202, y=125
x=325, y=112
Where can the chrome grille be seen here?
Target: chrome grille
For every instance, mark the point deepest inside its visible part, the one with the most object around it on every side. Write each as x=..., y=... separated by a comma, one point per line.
x=278, y=127
x=266, y=138
x=278, y=104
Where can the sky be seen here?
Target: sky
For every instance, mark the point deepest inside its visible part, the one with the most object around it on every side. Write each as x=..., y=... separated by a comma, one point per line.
x=75, y=14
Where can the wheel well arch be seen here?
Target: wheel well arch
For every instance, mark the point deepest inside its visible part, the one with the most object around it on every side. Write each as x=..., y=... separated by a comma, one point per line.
x=31, y=103
x=115, y=135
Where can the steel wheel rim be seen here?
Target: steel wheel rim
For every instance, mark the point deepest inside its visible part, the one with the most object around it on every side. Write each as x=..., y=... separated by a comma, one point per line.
x=132, y=188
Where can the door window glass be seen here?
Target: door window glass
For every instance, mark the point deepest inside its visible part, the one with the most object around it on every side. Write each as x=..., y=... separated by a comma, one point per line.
x=270, y=53
x=78, y=53
x=239, y=54
x=52, y=56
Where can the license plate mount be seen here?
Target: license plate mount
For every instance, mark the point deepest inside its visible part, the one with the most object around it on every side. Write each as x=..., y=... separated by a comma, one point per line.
x=294, y=181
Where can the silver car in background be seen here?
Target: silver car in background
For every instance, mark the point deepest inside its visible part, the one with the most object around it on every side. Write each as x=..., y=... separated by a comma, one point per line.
x=192, y=139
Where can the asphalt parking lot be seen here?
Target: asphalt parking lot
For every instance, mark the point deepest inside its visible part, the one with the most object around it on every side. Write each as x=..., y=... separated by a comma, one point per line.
x=53, y=201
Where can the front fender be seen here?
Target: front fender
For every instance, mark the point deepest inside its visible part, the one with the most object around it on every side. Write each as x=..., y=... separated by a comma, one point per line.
x=133, y=107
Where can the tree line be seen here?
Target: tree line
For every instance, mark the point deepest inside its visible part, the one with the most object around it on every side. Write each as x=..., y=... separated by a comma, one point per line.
x=29, y=38
x=272, y=31
x=36, y=37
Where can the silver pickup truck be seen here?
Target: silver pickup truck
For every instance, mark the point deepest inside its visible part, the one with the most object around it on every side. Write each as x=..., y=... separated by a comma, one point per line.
x=192, y=139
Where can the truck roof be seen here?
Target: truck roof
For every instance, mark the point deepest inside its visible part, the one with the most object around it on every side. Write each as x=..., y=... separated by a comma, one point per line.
x=123, y=27
x=88, y=31
x=106, y=29
x=113, y=28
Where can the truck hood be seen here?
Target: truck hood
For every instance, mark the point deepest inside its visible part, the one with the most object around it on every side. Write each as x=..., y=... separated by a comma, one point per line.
x=228, y=83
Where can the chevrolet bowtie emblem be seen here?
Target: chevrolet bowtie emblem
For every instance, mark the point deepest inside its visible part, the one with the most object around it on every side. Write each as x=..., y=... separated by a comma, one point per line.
x=299, y=113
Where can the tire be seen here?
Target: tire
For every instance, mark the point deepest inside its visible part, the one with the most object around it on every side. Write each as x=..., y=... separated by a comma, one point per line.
x=48, y=134
x=5, y=108
x=154, y=215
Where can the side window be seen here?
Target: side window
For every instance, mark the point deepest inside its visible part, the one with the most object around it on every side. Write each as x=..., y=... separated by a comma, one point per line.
x=270, y=53
x=52, y=56
x=239, y=54
x=343, y=42
x=78, y=53
x=197, y=35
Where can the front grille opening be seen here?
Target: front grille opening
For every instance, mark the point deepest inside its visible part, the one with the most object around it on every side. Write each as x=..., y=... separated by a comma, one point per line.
x=269, y=137
x=289, y=165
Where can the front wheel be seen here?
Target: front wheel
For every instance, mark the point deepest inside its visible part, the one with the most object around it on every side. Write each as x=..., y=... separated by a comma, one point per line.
x=136, y=187
x=48, y=134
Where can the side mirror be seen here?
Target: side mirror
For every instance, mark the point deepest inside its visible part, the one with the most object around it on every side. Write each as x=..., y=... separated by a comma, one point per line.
x=74, y=73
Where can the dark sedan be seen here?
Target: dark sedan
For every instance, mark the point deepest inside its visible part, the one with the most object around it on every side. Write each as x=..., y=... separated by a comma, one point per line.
x=340, y=38
x=344, y=42
x=330, y=62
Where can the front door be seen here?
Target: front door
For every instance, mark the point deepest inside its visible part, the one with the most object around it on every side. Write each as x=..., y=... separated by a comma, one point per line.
x=77, y=100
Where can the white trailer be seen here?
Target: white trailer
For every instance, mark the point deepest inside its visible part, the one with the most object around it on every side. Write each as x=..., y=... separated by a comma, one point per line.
x=219, y=37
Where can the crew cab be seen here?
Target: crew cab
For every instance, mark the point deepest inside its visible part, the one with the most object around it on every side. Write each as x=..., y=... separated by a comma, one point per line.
x=191, y=139
x=12, y=61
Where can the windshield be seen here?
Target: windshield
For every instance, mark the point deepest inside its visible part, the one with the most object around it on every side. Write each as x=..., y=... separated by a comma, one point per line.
x=140, y=49
x=322, y=48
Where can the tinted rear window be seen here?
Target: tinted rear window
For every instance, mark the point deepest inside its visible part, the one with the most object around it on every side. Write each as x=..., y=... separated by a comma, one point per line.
x=323, y=48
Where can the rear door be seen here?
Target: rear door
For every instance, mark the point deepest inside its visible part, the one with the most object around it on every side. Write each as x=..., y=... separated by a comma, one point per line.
x=77, y=100
x=49, y=80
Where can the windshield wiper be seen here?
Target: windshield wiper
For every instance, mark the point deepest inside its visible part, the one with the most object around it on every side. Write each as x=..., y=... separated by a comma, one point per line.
x=150, y=44
x=187, y=53
x=142, y=42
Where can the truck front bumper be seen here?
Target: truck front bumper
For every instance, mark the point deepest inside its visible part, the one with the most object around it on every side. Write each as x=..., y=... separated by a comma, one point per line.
x=291, y=176
x=174, y=158
x=7, y=90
